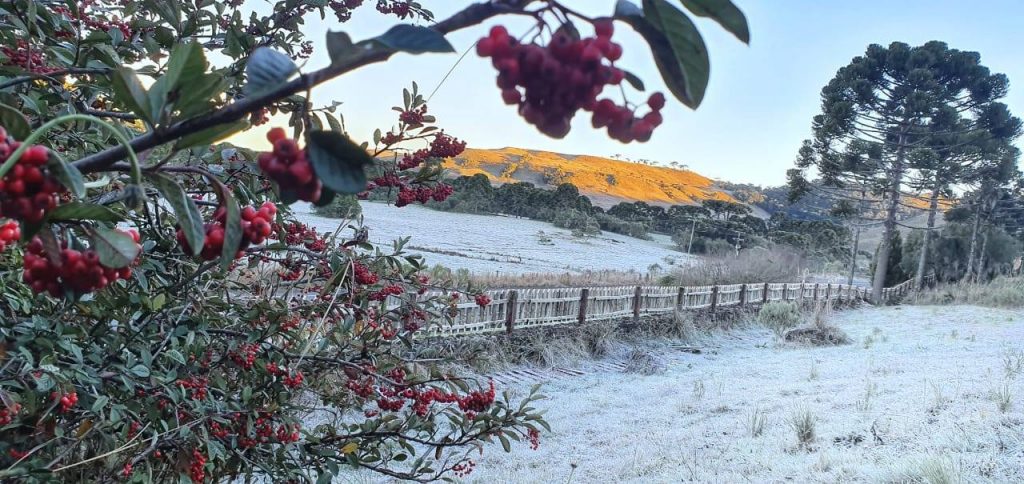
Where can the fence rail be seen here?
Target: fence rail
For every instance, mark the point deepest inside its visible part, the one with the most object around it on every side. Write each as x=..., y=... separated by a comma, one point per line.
x=512, y=309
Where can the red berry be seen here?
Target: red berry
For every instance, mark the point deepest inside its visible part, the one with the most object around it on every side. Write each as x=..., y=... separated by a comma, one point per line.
x=656, y=101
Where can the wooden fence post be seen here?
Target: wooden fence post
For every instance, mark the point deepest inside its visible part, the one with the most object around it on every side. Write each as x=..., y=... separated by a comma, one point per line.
x=764, y=294
x=681, y=298
x=815, y=291
x=743, y=294
x=800, y=295
x=785, y=292
x=637, y=294
x=510, y=314
x=828, y=292
x=584, y=301
x=714, y=298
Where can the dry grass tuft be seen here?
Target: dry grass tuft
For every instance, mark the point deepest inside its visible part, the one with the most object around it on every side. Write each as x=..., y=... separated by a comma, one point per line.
x=803, y=422
x=1001, y=292
x=757, y=420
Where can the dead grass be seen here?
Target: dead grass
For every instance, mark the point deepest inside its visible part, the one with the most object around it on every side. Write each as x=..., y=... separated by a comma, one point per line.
x=757, y=265
x=1001, y=292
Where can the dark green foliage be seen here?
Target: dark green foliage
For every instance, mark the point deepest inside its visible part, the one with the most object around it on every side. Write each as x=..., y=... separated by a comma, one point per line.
x=947, y=254
x=343, y=206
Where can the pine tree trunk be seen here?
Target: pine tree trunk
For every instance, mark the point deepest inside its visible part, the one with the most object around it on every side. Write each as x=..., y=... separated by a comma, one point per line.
x=974, y=243
x=922, y=260
x=882, y=264
x=853, y=255
x=981, y=255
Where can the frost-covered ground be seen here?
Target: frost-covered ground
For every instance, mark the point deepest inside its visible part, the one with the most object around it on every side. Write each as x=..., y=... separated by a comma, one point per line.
x=914, y=399
x=487, y=244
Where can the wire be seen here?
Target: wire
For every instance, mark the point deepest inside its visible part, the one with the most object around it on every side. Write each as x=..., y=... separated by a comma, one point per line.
x=449, y=73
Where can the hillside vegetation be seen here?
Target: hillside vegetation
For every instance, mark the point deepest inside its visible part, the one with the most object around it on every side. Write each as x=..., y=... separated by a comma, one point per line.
x=605, y=181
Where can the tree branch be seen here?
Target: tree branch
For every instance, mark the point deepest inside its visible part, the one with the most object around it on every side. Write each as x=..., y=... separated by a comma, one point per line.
x=472, y=15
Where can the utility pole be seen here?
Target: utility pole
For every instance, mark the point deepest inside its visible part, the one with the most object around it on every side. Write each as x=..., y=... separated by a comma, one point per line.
x=689, y=245
x=853, y=255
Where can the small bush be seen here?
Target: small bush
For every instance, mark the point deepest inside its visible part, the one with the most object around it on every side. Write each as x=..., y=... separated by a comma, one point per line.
x=779, y=316
x=343, y=206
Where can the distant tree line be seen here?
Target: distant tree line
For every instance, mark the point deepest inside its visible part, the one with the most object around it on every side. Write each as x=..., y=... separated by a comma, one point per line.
x=713, y=227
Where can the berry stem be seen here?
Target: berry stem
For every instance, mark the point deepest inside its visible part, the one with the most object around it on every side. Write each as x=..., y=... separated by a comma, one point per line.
x=133, y=159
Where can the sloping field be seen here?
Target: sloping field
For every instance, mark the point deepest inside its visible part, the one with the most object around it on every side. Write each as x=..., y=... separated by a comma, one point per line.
x=924, y=394
x=486, y=244
x=605, y=181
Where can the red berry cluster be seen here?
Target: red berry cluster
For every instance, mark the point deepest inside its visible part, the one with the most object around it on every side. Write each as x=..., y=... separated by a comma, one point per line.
x=463, y=470
x=245, y=355
x=256, y=227
x=196, y=385
x=10, y=234
x=621, y=122
x=293, y=381
x=384, y=292
x=413, y=116
x=27, y=191
x=363, y=275
x=422, y=194
x=79, y=271
x=25, y=57
x=343, y=8
x=482, y=300
x=7, y=413
x=533, y=435
x=67, y=400
x=259, y=118
x=288, y=166
x=559, y=79
x=95, y=23
x=196, y=469
x=442, y=146
x=398, y=8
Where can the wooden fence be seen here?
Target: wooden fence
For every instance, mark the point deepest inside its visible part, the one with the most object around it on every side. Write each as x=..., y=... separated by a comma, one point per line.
x=512, y=309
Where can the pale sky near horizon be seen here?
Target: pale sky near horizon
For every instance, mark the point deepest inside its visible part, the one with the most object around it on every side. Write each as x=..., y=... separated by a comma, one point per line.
x=758, y=105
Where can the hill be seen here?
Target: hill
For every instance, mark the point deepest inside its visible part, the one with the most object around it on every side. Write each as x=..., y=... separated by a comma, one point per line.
x=605, y=181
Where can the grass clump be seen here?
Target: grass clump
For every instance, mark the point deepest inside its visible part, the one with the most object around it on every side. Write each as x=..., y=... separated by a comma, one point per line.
x=820, y=331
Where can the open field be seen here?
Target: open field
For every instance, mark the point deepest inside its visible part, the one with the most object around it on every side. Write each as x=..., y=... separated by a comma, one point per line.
x=486, y=244
x=924, y=394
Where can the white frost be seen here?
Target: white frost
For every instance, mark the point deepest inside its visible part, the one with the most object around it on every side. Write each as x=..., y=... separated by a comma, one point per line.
x=485, y=244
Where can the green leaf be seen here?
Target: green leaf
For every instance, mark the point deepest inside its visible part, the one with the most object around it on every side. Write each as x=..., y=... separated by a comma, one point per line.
x=232, y=231
x=100, y=403
x=340, y=46
x=211, y=135
x=679, y=52
x=115, y=249
x=84, y=211
x=415, y=39
x=189, y=218
x=68, y=175
x=128, y=91
x=339, y=163
x=633, y=80
x=14, y=122
x=140, y=371
x=266, y=70
x=187, y=61
x=505, y=444
x=724, y=12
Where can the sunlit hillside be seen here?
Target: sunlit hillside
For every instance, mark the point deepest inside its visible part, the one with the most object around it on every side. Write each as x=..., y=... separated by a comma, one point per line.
x=605, y=181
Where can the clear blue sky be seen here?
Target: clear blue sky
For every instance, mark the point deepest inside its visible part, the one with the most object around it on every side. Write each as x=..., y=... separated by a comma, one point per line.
x=759, y=102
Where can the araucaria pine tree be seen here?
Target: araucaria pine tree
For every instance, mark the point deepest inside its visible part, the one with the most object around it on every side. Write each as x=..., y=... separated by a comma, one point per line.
x=882, y=109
